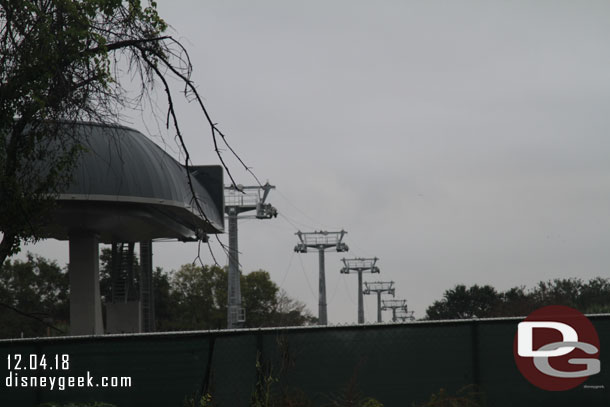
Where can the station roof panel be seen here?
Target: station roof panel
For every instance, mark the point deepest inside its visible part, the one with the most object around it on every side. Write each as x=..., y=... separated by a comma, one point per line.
x=126, y=188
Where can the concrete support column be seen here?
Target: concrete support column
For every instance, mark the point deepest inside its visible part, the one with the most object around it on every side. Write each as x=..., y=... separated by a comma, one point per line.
x=84, y=273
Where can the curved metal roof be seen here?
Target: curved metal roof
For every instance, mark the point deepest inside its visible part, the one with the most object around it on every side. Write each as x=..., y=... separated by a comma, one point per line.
x=126, y=188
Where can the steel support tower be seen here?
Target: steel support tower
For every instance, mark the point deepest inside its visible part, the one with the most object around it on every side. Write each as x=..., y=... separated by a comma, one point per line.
x=379, y=287
x=321, y=240
x=394, y=305
x=360, y=265
x=122, y=276
x=240, y=199
x=124, y=289
x=147, y=299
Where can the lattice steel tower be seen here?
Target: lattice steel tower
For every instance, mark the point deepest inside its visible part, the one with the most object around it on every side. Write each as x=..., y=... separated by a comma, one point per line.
x=321, y=240
x=394, y=305
x=360, y=265
x=379, y=287
x=238, y=200
x=127, y=302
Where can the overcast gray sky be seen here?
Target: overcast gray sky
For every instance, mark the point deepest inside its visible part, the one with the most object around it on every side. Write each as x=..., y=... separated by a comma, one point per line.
x=459, y=142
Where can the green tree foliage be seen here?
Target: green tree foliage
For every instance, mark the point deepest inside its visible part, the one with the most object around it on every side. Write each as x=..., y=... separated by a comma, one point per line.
x=267, y=305
x=105, y=276
x=260, y=298
x=55, y=65
x=164, y=308
x=485, y=302
x=33, y=295
x=468, y=396
x=199, y=295
x=186, y=299
x=291, y=312
x=461, y=302
x=194, y=293
x=64, y=61
x=195, y=297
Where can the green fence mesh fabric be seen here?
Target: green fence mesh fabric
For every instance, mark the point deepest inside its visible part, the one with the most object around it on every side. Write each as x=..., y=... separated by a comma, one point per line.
x=396, y=364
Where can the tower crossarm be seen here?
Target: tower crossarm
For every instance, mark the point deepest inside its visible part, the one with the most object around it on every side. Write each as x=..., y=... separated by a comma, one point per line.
x=360, y=265
x=321, y=240
x=404, y=315
x=239, y=198
x=371, y=287
x=394, y=304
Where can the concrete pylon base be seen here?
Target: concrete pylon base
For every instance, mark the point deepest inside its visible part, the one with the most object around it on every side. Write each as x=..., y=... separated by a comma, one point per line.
x=84, y=272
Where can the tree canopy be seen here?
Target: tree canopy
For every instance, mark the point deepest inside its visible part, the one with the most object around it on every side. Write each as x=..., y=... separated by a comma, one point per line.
x=198, y=297
x=63, y=61
x=477, y=301
x=34, y=298
x=55, y=66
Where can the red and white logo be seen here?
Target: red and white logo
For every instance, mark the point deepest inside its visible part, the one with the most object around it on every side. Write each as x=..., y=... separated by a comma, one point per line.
x=556, y=348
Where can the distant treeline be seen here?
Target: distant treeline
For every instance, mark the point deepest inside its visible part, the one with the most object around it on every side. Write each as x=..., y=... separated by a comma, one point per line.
x=34, y=298
x=591, y=297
